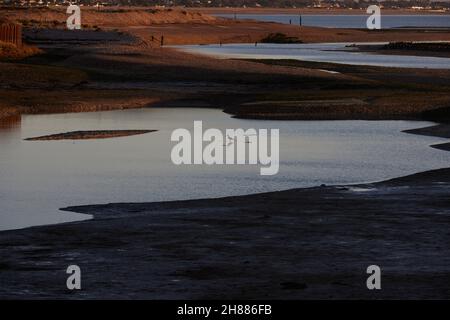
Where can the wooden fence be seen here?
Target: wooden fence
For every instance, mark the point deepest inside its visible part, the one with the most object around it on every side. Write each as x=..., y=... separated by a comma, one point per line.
x=11, y=33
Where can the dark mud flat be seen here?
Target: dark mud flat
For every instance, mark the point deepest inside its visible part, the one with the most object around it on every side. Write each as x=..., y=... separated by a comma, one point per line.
x=440, y=130
x=442, y=146
x=91, y=134
x=296, y=244
x=430, y=49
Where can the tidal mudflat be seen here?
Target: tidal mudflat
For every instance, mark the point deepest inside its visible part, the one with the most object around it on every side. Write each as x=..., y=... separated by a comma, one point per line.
x=313, y=243
x=343, y=53
x=40, y=177
x=140, y=227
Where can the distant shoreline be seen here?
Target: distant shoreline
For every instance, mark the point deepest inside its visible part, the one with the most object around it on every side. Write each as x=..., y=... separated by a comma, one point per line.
x=301, y=243
x=122, y=65
x=312, y=11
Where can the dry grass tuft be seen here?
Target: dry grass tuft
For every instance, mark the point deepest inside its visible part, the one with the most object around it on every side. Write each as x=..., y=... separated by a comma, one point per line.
x=9, y=51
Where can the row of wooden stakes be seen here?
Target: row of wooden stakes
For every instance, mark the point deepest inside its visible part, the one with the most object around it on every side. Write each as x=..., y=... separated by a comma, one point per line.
x=11, y=33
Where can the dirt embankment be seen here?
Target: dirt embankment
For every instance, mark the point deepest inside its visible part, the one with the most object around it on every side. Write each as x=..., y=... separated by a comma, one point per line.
x=78, y=100
x=105, y=17
x=44, y=88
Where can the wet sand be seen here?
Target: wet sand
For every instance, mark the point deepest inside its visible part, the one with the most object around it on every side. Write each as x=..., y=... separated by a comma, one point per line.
x=121, y=67
x=119, y=75
x=313, y=243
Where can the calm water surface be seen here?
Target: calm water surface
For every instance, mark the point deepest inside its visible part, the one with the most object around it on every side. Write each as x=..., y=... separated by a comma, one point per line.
x=39, y=177
x=350, y=21
x=319, y=52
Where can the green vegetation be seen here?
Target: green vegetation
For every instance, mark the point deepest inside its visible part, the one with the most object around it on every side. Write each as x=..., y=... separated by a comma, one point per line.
x=9, y=51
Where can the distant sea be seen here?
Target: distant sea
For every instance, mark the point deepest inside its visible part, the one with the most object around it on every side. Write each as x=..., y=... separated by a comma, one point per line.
x=350, y=21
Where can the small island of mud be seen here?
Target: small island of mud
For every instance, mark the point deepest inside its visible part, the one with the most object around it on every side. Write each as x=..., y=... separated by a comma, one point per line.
x=440, y=130
x=91, y=134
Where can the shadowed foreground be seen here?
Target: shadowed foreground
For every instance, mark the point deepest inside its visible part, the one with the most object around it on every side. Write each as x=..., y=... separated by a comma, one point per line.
x=302, y=243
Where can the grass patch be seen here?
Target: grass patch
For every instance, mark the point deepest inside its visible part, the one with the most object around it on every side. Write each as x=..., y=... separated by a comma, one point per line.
x=9, y=51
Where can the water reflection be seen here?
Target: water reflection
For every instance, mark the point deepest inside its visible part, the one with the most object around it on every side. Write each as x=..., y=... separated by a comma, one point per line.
x=39, y=177
x=349, y=21
x=318, y=52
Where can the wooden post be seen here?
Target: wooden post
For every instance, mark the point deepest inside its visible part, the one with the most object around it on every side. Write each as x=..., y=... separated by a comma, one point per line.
x=8, y=34
x=19, y=35
x=11, y=33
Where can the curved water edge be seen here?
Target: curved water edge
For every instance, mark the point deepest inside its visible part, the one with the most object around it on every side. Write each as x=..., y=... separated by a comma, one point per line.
x=341, y=53
x=38, y=178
